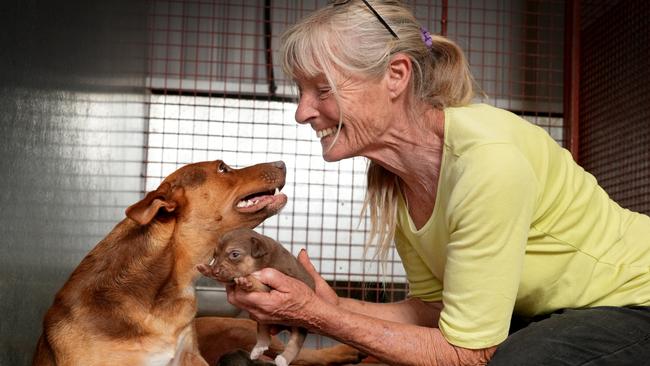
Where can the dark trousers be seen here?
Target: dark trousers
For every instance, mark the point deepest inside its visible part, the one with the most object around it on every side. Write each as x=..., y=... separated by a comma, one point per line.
x=600, y=336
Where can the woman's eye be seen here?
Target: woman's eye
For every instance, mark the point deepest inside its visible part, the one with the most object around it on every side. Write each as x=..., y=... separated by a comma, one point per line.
x=324, y=92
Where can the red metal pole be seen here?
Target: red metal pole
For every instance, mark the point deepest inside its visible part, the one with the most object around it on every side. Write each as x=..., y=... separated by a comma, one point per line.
x=443, y=20
x=572, y=76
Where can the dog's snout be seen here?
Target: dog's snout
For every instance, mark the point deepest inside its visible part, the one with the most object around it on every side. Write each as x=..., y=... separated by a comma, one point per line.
x=280, y=165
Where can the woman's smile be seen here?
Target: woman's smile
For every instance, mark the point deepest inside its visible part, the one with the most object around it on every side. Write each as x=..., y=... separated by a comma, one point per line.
x=326, y=132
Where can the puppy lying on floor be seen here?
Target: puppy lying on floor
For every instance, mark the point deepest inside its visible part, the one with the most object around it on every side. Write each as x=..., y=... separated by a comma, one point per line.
x=243, y=251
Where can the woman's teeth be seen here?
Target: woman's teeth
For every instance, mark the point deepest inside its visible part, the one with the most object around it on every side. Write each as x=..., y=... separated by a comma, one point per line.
x=325, y=132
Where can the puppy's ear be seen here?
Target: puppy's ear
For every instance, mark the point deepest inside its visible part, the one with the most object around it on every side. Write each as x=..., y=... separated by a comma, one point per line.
x=258, y=248
x=146, y=209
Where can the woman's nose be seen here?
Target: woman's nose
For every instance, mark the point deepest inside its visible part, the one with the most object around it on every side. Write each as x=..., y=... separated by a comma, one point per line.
x=307, y=109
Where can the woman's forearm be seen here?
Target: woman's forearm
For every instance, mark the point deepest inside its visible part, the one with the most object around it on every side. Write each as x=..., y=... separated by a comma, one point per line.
x=389, y=341
x=409, y=311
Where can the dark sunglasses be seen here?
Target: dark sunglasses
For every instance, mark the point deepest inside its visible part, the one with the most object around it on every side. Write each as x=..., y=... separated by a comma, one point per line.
x=381, y=20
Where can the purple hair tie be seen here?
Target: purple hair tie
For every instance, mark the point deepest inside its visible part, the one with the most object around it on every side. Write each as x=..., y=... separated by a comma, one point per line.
x=426, y=37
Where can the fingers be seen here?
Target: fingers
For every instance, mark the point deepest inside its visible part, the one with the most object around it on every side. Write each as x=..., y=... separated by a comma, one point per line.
x=252, y=291
x=323, y=289
x=304, y=260
x=230, y=294
x=244, y=300
x=274, y=279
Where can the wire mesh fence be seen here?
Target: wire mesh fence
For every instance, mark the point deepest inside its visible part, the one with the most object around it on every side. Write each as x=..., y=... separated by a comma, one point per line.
x=217, y=92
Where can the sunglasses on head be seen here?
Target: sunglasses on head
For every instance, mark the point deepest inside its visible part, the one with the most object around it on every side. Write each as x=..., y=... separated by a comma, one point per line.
x=381, y=20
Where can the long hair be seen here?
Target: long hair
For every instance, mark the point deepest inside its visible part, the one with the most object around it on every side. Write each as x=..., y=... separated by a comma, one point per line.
x=348, y=39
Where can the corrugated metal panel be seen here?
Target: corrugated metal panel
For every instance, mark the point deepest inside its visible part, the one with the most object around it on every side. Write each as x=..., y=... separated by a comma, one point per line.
x=71, y=139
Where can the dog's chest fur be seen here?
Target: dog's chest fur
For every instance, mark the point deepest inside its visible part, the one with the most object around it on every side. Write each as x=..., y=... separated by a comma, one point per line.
x=129, y=296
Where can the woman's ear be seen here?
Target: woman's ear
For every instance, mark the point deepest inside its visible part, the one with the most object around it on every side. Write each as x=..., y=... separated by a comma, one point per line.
x=399, y=74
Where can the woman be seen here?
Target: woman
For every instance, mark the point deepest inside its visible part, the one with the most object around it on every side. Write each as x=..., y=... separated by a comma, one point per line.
x=491, y=218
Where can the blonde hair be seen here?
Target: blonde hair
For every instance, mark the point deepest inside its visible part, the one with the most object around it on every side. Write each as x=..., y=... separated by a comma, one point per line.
x=348, y=39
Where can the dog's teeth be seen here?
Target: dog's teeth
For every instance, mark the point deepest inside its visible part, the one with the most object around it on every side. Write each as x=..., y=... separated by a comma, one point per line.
x=244, y=204
x=247, y=203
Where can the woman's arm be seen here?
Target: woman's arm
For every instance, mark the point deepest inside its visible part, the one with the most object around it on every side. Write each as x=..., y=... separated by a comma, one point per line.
x=391, y=341
x=410, y=311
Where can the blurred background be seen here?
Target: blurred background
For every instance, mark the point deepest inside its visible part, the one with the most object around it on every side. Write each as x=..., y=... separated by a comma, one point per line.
x=99, y=100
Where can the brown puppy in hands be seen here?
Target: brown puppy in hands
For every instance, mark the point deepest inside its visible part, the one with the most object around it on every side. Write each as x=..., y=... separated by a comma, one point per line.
x=243, y=251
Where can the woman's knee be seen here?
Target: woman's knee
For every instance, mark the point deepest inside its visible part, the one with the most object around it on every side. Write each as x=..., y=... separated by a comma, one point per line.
x=598, y=336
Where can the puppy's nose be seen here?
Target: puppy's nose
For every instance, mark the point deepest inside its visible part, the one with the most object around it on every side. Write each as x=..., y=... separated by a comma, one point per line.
x=280, y=165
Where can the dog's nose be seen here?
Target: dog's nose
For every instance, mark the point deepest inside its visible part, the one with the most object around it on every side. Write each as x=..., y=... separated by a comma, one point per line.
x=280, y=165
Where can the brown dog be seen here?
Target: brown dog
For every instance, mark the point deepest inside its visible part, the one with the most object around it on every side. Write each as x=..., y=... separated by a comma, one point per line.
x=131, y=300
x=243, y=251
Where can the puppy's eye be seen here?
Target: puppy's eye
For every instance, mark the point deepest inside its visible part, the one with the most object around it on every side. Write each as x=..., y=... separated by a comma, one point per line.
x=234, y=255
x=222, y=167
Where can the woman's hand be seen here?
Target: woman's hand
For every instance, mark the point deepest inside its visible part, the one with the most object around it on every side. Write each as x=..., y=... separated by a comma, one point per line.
x=289, y=301
x=322, y=288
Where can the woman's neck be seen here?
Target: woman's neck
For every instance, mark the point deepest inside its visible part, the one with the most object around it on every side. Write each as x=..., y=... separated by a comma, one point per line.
x=412, y=150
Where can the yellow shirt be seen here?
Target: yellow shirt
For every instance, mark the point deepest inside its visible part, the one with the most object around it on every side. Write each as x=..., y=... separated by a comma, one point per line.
x=518, y=225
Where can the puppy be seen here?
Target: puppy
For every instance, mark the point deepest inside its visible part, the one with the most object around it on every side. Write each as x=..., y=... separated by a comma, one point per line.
x=131, y=300
x=243, y=251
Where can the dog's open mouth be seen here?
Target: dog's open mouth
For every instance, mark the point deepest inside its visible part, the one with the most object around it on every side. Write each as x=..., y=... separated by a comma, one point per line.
x=274, y=200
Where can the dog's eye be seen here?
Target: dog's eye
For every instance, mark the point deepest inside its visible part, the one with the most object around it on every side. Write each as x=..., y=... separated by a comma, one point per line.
x=223, y=168
x=234, y=255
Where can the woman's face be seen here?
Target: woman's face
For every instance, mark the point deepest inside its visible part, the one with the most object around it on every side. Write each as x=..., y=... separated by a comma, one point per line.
x=365, y=105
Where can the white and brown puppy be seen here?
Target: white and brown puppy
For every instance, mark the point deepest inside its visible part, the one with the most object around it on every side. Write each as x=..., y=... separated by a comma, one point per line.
x=243, y=251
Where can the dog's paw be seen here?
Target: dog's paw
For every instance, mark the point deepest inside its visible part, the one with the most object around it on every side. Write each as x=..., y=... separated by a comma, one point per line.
x=244, y=283
x=257, y=351
x=205, y=270
x=281, y=361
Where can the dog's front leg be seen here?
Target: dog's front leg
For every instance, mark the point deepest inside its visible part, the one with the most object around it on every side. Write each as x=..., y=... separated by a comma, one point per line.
x=187, y=351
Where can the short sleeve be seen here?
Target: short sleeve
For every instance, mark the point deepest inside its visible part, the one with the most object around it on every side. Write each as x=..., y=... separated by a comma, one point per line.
x=489, y=216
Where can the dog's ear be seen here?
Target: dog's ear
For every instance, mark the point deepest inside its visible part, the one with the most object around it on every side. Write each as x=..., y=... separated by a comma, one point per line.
x=146, y=209
x=258, y=248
